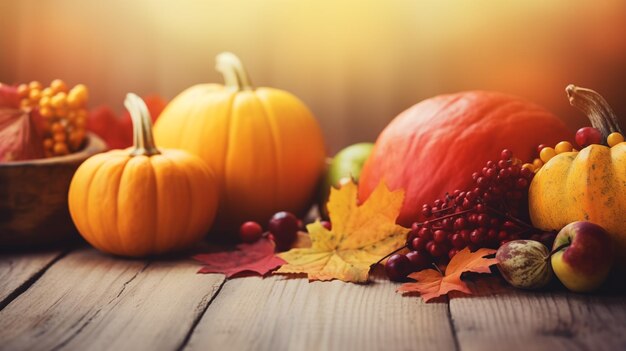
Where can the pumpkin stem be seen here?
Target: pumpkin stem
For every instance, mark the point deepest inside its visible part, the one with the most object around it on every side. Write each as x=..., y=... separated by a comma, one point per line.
x=595, y=107
x=143, y=140
x=235, y=76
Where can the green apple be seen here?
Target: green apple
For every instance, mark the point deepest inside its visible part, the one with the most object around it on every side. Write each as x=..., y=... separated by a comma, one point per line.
x=582, y=256
x=347, y=164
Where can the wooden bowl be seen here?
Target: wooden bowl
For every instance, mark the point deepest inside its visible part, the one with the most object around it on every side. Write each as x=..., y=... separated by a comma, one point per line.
x=33, y=198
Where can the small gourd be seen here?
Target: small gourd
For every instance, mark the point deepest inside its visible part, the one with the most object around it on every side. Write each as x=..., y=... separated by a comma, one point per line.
x=143, y=201
x=585, y=185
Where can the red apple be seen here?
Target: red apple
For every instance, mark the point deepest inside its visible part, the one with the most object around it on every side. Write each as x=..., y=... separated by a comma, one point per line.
x=583, y=257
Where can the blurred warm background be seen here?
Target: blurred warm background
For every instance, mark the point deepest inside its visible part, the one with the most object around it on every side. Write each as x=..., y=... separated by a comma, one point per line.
x=357, y=64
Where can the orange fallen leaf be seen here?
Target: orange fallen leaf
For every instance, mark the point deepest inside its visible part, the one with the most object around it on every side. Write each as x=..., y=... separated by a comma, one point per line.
x=431, y=284
x=360, y=236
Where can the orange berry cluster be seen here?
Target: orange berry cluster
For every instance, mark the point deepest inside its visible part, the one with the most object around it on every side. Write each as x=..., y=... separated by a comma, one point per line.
x=63, y=111
x=546, y=153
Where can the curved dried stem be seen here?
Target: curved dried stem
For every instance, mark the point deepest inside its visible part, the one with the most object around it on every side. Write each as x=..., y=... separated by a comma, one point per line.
x=235, y=75
x=143, y=140
x=595, y=107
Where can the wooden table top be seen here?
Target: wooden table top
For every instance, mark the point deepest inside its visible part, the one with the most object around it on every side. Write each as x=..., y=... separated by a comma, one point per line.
x=79, y=299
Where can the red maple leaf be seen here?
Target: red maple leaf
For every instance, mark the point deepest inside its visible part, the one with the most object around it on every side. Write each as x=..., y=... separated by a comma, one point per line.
x=431, y=283
x=257, y=257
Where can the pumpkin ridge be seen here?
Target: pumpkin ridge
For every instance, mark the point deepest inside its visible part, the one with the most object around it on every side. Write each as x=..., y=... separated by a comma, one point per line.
x=276, y=154
x=195, y=92
x=189, y=189
x=224, y=204
x=117, y=195
x=92, y=238
x=155, y=240
x=129, y=242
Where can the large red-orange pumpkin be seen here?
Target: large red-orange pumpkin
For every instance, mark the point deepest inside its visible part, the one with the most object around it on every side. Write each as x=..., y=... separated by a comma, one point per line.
x=435, y=146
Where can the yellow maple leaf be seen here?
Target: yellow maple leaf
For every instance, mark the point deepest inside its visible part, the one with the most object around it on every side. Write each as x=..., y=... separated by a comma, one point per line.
x=360, y=236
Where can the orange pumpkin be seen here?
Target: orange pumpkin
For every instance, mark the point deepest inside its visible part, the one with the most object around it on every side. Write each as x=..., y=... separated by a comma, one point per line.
x=435, y=146
x=142, y=200
x=264, y=144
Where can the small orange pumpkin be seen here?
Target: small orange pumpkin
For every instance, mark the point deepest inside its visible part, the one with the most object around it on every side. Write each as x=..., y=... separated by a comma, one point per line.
x=264, y=144
x=142, y=201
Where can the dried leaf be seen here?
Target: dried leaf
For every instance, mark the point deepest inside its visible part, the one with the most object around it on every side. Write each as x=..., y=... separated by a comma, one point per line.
x=19, y=139
x=9, y=98
x=431, y=284
x=360, y=236
x=257, y=257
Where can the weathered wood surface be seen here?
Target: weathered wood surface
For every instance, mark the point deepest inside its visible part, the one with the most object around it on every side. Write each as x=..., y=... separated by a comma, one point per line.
x=276, y=313
x=89, y=301
x=18, y=270
x=499, y=317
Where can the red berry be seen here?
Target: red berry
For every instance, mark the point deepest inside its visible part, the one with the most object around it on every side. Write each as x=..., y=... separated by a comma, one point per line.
x=440, y=236
x=436, y=250
x=465, y=234
x=586, y=136
x=327, y=225
x=419, y=260
x=457, y=241
x=284, y=226
x=250, y=232
x=526, y=173
x=506, y=154
x=429, y=244
x=540, y=147
x=397, y=267
x=460, y=223
x=491, y=173
x=476, y=236
x=418, y=244
x=508, y=225
x=521, y=183
x=415, y=226
x=483, y=220
x=482, y=182
x=425, y=234
x=452, y=253
x=502, y=235
x=427, y=212
x=504, y=173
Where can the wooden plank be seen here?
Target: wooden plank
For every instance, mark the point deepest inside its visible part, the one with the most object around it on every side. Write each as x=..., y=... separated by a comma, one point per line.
x=500, y=317
x=92, y=301
x=19, y=270
x=292, y=314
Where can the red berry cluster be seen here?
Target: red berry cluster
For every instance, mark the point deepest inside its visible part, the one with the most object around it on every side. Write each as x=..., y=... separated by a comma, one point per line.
x=492, y=212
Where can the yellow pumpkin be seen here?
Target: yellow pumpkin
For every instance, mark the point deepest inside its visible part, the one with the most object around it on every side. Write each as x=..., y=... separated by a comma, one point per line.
x=589, y=185
x=142, y=200
x=264, y=144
